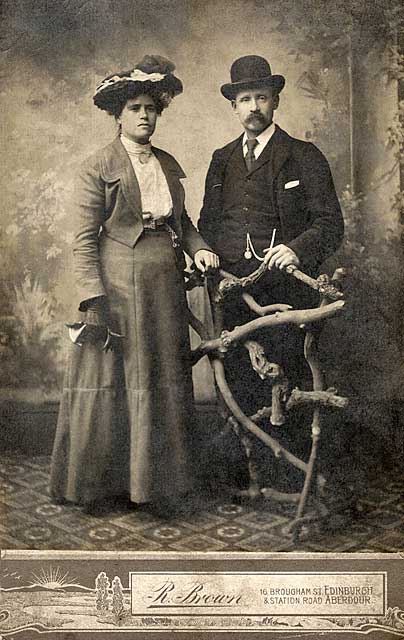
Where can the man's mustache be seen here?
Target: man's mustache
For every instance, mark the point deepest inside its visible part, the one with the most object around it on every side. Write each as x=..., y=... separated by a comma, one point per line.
x=255, y=116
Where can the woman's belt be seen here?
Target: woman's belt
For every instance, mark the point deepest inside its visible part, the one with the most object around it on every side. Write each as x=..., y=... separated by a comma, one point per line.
x=154, y=223
x=157, y=224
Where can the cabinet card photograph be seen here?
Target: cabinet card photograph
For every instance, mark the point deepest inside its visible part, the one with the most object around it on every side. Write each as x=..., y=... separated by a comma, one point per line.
x=201, y=336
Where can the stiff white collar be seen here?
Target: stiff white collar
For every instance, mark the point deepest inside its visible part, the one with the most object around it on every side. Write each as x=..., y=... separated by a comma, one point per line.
x=262, y=140
x=135, y=148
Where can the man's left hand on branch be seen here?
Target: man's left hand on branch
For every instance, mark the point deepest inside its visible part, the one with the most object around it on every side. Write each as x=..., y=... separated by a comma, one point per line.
x=205, y=260
x=281, y=257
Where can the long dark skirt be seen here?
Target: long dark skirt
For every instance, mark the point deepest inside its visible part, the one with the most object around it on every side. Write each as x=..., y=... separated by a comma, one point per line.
x=125, y=418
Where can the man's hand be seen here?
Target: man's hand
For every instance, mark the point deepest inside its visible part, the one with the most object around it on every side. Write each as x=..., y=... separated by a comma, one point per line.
x=205, y=260
x=280, y=257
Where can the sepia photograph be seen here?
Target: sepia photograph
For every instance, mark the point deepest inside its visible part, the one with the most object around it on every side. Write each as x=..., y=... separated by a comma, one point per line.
x=201, y=321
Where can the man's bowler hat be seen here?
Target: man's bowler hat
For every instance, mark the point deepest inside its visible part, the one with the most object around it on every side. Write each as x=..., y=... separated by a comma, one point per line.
x=251, y=72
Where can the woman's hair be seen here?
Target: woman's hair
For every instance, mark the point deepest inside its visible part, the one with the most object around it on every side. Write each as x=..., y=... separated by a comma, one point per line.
x=118, y=99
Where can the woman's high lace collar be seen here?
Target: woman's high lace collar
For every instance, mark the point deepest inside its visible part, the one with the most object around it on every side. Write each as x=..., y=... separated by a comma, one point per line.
x=134, y=148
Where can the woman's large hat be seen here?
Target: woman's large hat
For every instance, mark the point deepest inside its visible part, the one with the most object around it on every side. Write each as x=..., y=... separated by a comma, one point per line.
x=251, y=72
x=153, y=73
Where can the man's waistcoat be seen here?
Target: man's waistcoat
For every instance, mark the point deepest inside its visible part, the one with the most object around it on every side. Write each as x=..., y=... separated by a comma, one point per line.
x=247, y=205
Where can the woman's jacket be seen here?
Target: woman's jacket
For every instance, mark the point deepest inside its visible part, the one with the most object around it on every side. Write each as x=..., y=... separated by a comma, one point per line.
x=107, y=201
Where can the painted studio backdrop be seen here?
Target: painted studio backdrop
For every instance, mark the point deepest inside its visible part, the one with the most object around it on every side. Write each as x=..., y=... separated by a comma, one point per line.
x=343, y=71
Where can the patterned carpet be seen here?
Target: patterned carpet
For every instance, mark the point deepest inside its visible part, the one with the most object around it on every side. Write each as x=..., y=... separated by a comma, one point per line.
x=30, y=520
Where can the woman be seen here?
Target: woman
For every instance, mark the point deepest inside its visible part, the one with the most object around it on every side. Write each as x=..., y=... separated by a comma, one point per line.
x=125, y=415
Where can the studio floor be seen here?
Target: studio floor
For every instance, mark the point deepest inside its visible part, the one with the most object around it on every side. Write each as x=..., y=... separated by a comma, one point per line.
x=30, y=520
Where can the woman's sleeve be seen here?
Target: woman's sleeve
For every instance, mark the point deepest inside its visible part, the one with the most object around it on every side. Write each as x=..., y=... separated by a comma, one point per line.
x=192, y=241
x=88, y=216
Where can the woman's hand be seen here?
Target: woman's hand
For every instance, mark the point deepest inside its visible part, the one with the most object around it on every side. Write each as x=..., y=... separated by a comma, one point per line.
x=205, y=260
x=81, y=333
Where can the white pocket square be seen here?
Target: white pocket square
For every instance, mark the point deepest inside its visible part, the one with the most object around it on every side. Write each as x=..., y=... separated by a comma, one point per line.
x=291, y=184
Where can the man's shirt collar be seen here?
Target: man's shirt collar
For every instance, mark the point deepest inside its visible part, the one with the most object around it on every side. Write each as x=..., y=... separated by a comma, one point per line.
x=262, y=139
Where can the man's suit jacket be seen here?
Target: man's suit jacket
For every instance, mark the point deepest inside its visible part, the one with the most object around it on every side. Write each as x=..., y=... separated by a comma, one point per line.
x=309, y=212
x=107, y=198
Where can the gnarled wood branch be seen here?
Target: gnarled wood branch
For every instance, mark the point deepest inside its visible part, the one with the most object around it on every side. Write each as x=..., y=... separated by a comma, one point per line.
x=327, y=398
x=281, y=496
x=253, y=490
x=261, y=414
x=263, y=311
x=259, y=361
x=215, y=347
x=230, y=282
x=274, y=372
x=246, y=422
x=300, y=317
x=313, y=360
x=280, y=387
x=323, y=284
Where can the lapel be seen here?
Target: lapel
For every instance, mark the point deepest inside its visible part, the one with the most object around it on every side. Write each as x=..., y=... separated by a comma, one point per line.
x=117, y=165
x=276, y=153
x=234, y=151
x=281, y=151
x=238, y=160
x=263, y=158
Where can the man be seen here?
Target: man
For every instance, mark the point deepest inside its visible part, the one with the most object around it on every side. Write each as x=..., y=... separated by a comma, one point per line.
x=263, y=181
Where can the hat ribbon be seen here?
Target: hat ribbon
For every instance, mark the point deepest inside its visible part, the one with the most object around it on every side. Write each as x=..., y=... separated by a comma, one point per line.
x=136, y=76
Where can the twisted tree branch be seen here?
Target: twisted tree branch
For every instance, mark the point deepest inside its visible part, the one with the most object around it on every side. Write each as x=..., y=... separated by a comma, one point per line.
x=282, y=400
x=326, y=398
x=246, y=422
x=263, y=311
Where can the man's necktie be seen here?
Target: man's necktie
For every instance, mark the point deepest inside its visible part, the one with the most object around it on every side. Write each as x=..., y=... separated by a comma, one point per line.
x=250, y=157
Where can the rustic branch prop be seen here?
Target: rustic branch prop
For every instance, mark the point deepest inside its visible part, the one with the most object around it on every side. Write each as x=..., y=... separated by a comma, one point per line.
x=283, y=399
x=247, y=423
x=299, y=318
x=326, y=398
x=253, y=490
x=280, y=496
x=230, y=283
x=303, y=317
x=311, y=355
x=259, y=362
x=262, y=414
x=280, y=388
x=263, y=311
x=323, y=284
x=273, y=372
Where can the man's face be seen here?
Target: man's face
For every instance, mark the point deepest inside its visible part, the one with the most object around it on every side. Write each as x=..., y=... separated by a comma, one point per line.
x=255, y=109
x=138, y=118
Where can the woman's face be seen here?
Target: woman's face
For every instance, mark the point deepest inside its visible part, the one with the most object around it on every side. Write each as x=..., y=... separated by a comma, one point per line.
x=138, y=118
